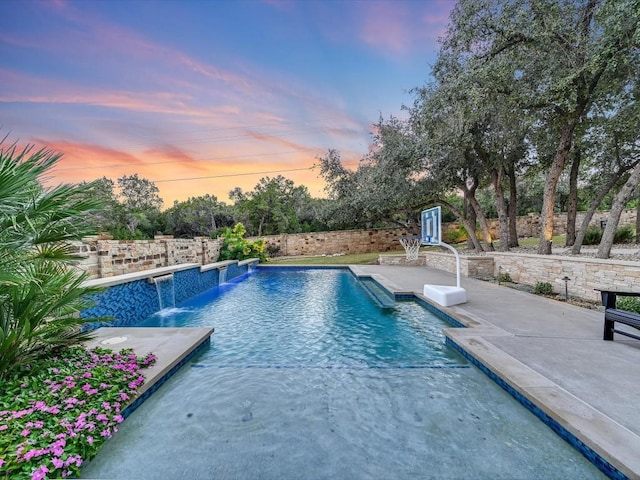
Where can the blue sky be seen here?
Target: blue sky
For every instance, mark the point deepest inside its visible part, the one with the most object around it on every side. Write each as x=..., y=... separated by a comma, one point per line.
x=228, y=90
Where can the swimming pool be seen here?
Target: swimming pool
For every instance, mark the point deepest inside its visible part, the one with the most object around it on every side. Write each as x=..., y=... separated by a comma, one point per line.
x=307, y=377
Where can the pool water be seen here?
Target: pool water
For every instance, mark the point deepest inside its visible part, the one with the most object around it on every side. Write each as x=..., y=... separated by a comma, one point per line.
x=308, y=377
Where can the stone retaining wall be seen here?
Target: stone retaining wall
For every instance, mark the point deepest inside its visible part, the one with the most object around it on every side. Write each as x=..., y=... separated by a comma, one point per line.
x=586, y=274
x=470, y=266
x=529, y=225
x=338, y=242
x=106, y=258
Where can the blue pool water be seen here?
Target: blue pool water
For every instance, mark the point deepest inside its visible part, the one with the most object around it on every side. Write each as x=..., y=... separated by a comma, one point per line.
x=308, y=377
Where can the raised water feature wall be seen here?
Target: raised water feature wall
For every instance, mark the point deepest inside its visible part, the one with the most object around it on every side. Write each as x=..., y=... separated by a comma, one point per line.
x=131, y=298
x=103, y=258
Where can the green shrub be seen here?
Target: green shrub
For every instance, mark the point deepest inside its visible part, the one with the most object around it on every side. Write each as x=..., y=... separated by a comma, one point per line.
x=630, y=304
x=40, y=296
x=592, y=236
x=455, y=235
x=236, y=247
x=543, y=288
x=504, y=278
x=624, y=235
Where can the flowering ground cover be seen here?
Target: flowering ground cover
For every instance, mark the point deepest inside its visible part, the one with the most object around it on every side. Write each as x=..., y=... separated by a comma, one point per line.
x=56, y=412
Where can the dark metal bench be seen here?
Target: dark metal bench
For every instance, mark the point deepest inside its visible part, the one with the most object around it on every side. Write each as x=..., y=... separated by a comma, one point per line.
x=613, y=315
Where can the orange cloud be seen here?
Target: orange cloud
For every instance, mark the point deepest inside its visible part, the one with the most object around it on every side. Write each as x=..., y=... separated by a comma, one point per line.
x=177, y=174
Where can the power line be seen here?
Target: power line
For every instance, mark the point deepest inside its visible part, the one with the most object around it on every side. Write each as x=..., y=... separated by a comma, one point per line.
x=233, y=175
x=241, y=174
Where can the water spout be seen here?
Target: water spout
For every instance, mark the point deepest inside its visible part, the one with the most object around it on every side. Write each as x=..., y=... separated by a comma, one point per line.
x=222, y=276
x=166, y=291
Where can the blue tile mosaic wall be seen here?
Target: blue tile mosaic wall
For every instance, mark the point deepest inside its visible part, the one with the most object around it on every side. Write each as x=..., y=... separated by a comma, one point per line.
x=126, y=303
x=209, y=279
x=129, y=303
x=187, y=284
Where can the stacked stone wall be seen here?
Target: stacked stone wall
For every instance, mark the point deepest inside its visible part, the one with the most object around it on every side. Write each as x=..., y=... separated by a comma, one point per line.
x=336, y=243
x=106, y=258
x=586, y=275
x=387, y=239
x=529, y=225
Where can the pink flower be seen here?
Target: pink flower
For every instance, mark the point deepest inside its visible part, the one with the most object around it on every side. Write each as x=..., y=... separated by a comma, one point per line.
x=106, y=405
x=118, y=418
x=22, y=413
x=40, y=473
x=86, y=387
x=30, y=454
x=105, y=433
x=124, y=396
x=57, y=462
x=1, y=462
x=90, y=440
x=87, y=375
x=3, y=427
x=25, y=432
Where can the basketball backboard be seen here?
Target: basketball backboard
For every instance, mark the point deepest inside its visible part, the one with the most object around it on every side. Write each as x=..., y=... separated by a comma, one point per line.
x=431, y=226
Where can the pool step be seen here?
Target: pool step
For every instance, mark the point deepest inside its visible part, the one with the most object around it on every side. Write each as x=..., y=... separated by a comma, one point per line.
x=381, y=297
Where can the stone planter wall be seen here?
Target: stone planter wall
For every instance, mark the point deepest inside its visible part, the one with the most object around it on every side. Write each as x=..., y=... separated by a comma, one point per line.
x=586, y=274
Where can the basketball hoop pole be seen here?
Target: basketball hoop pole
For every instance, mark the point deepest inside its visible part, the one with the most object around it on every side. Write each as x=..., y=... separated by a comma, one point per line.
x=455, y=252
x=444, y=295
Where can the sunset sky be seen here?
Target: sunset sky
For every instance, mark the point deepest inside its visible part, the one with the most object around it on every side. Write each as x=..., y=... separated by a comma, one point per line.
x=204, y=96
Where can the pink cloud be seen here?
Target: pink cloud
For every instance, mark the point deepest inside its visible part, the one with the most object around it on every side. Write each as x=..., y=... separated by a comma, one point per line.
x=394, y=28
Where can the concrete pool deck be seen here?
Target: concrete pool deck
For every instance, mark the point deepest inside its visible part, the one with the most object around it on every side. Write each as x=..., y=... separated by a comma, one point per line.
x=550, y=352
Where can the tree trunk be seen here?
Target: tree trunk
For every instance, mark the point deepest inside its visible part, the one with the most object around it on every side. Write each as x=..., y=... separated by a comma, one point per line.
x=501, y=205
x=470, y=228
x=472, y=219
x=486, y=233
x=621, y=199
x=513, y=208
x=572, y=208
x=595, y=203
x=638, y=216
x=550, y=190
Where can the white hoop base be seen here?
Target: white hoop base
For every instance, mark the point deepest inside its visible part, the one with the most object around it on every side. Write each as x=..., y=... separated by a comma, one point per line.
x=445, y=295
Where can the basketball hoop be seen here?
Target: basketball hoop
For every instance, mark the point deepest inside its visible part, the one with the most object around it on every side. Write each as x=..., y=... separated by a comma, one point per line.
x=411, y=246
